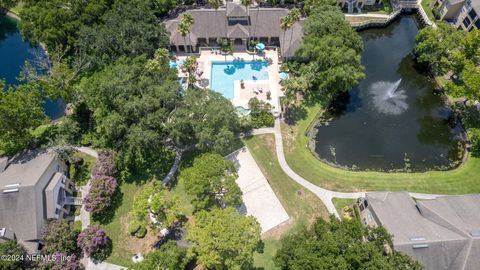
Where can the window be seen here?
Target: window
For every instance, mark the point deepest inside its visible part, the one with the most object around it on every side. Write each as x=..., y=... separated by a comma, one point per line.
x=472, y=14
x=477, y=23
x=466, y=22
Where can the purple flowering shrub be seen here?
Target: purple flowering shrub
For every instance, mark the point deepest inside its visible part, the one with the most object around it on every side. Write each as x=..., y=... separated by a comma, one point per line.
x=61, y=261
x=100, y=195
x=105, y=165
x=94, y=242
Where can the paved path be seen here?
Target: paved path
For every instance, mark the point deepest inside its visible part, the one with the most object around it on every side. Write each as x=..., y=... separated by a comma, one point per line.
x=324, y=194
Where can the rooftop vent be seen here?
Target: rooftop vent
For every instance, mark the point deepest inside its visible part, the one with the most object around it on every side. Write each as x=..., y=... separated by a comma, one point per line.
x=475, y=233
x=417, y=238
x=417, y=246
x=10, y=190
x=11, y=185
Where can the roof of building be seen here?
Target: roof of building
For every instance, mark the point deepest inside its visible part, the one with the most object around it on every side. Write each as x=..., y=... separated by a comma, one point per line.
x=437, y=233
x=211, y=23
x=476, y=6
x=236, y=10
x=18, y=207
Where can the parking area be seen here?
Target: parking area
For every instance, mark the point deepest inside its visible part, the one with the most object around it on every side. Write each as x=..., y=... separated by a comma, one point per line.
x=258, y=197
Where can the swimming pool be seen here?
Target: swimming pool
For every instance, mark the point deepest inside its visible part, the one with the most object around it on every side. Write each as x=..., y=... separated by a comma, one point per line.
x=223, y=74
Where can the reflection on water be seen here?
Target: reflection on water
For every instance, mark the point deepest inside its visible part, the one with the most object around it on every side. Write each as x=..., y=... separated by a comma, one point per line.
x=394, y=119
x=13, y=53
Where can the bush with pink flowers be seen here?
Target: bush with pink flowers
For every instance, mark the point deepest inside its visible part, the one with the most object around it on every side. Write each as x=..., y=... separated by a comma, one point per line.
x=105, y=165
x=100, y=195
x=94, y=242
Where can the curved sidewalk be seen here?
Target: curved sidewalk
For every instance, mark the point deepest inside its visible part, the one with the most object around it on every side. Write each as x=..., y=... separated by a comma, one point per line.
x=324, y=194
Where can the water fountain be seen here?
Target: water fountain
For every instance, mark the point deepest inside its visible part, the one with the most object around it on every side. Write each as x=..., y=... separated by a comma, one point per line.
x=388, y=97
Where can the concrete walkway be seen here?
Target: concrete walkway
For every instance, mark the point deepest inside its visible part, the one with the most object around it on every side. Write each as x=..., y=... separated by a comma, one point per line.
x=323, y=194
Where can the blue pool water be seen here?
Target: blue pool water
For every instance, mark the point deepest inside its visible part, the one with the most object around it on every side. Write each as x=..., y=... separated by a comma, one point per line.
x=223, y=74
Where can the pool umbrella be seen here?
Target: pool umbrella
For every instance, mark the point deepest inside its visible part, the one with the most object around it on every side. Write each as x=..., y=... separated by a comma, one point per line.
x=260, y=46
x=283, y=76
x=172, y=64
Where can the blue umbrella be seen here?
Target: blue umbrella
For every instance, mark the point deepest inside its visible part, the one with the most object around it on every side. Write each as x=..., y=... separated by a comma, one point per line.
x=172, y=64
x=260, y=46
x=283, y=75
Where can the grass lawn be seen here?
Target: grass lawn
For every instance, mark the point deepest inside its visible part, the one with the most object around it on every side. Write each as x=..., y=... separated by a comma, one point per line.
x=428, y=6
x=462, y=180
x=81, y=176
x=302, y=206
x=341, y=203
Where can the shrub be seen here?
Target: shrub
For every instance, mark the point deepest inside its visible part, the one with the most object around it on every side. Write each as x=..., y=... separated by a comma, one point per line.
x=474, y=135
x=59, y=237
x=105, y=165
x=134, y=226
x=94, y=242
x=263, y=119
x=99, y=197
x=141, y=232
x=61, y=261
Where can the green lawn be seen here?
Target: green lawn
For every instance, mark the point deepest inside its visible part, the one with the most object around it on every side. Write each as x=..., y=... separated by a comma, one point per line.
x=428, y=6
x=341, y=203
x=302, y=206
x=80, y=177
x=464, y=179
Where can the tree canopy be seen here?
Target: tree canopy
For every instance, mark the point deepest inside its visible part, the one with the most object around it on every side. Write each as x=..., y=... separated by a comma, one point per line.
x=224, y=239
x=168, y=256
x=11, y=248
x=340, y=245
x=329, y=56
x=211, y=180
x=8, y=3
x=59, y=237
x=130, y=108
x=205, y=118
x=20, y=112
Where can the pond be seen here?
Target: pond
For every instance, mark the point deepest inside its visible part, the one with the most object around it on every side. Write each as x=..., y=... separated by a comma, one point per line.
x=13, y=53
x=394, y=120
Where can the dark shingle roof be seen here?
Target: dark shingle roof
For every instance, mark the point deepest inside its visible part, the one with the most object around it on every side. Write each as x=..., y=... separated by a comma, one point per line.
x=434, y=232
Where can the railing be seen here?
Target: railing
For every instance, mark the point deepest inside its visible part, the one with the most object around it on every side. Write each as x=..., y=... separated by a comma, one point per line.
x=72, y=201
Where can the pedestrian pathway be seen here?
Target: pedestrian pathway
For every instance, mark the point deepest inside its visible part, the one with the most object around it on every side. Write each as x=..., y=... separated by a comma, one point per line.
x=323, y=194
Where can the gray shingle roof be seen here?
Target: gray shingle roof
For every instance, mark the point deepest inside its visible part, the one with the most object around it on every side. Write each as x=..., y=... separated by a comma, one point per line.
x=264, y=22
x=20, y=210
x=434, y=232
x=236, y=10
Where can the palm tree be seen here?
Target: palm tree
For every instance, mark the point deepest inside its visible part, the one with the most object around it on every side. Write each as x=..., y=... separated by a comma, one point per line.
x=284, y=25
x=247, y=3
x=189, y=21
x=294, y=17
x=256, y=19
x=216, y=4
x=183, y=30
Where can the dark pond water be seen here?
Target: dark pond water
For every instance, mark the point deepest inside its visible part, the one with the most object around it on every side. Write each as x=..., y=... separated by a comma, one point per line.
x=394, y=120
x=13, y=53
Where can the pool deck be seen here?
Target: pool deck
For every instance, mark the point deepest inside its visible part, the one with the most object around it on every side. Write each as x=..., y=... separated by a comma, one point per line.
x=251, y=88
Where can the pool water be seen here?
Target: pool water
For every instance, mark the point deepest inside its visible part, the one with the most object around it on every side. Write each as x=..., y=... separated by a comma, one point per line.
x=223, y=74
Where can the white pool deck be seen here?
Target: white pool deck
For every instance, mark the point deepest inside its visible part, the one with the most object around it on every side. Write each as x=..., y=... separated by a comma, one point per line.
x=258, y=197
x=242, y=96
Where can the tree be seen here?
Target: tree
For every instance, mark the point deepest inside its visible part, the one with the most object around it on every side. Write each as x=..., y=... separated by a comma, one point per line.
x=160, y=59
x=12, y=248
x=190, y=67
x=224, y=239
x=434, y=46
x=20, y=112
x=284, y=25
x=130, y=107
x=129, y=28
x=205, y=118
x=8, y=3
x=211, y=180
x=168, y=256
x=183, y=29
x=100, y=194
x=258, y=2
x=294, y=16
x=309, y=5
x=105, y=165
x=94, y=242
x=340, y=245
x=61, y=261
x=247, y=4
x=330, y=54
x=58, y=236
x=164, y=207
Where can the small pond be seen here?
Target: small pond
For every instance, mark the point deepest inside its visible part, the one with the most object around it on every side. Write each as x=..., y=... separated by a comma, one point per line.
x=394, y=120
x=13, y=53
